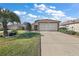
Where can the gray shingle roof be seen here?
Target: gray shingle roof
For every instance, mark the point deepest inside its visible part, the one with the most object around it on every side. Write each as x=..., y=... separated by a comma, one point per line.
x=70, y=22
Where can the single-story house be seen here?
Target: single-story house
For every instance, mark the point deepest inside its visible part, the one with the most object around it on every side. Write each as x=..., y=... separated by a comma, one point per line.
x=15, y=26
x=71, y=25
x=46, y=25
x=12, y=26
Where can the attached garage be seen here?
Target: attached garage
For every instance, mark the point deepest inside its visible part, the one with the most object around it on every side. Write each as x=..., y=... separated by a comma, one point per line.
x=46, y=25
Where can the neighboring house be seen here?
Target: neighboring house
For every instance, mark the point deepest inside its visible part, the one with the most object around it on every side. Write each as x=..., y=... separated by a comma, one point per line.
x=71, y=25
x=12, y=26
x=35, y=26
x=46, y=25
x=15, y=26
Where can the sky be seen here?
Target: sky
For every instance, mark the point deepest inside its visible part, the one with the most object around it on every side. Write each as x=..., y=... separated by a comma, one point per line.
x=29, y=12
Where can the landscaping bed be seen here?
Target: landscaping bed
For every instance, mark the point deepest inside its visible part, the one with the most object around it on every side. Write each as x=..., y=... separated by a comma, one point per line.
x=24, y=44
x=64, y=30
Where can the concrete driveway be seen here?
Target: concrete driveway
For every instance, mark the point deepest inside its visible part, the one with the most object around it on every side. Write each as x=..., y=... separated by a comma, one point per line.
x=59, y=44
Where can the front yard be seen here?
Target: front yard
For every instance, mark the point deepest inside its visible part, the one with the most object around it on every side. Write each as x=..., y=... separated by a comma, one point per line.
x=23, y=44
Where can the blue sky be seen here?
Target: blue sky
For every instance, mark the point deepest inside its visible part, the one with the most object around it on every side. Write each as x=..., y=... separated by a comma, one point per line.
x=29, y=12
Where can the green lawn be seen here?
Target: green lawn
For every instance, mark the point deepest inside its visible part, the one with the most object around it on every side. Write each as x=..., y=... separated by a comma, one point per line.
x=21, y=31
x=1, y=32
x=25, y=44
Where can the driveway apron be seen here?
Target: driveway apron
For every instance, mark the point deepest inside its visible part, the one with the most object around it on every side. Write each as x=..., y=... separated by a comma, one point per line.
x=59, y=44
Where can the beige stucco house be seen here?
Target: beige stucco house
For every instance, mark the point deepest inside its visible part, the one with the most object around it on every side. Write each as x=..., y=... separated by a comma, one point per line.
x=71, y=25
x=12, y=26
x=15, y=26
x=46, y=25
x=39, y=25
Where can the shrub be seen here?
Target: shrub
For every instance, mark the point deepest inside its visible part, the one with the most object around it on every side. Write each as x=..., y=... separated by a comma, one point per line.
x=77, y=33
x=13, y=32
x=64, y=30
x=1, y=35
x=71, y=32
x=21, y=28
x=27, y=35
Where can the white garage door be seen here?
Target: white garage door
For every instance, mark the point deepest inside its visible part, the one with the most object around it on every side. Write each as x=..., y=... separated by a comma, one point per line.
x=48, y=26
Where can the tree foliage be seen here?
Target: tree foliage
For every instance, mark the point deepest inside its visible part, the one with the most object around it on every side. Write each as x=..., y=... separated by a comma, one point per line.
x=7, y=16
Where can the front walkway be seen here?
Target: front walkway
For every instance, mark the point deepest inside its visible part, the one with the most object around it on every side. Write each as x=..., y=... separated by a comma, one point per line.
x=56, y=44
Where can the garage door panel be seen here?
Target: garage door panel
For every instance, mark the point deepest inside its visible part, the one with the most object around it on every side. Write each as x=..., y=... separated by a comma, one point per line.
x=48, y=26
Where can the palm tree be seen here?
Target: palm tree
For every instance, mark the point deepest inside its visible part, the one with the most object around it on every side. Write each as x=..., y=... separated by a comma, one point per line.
x=7, y=16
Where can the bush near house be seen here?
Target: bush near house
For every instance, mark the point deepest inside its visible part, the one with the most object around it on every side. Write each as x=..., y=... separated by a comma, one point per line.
x=64, y=30
x=13, y=32
x=71, y=32
x=77, y=33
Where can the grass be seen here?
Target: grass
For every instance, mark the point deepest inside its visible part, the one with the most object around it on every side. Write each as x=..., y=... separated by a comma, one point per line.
x=24, y=44
x=21, y=31
x=1, y=32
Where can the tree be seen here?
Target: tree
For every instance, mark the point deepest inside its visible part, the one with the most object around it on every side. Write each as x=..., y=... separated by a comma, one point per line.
x=7, y=16
x=27, y=26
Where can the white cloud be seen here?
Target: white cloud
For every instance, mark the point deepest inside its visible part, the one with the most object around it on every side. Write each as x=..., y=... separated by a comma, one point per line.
x=55, y=12
x=48, y=10
x=59, y=14
x=40, y=7
x=64, y=18
x=20, y=12
x=43, y=7
x=31, y=15
x=70, y=18
x=53, y=7
x=52, y=12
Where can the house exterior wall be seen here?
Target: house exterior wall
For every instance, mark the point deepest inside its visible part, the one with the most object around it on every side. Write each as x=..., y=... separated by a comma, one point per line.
x=74, y=27
x=32, y=27
x=13, y=27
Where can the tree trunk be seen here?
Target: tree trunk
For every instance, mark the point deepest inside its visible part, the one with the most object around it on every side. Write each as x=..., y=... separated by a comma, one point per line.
x=5, y=28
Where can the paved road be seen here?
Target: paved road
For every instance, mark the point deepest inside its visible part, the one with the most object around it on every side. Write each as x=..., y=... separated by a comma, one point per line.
x=59, y=44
